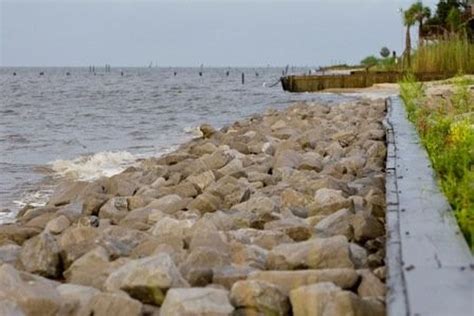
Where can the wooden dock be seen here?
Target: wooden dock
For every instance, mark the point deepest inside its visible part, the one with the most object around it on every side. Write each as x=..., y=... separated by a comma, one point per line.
x=356, y=79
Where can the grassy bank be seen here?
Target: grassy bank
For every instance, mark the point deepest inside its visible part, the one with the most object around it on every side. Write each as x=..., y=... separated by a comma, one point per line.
x=446, y=127
x=448, y=55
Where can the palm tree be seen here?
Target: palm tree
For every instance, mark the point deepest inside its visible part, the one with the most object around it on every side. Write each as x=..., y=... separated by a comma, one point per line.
x=409, y=19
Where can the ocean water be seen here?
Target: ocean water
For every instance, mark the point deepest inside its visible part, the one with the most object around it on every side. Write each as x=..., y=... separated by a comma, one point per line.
x=83, y=126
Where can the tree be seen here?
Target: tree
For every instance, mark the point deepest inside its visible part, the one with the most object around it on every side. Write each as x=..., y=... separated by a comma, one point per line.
x=384, y=52
x=369, y=61
x=420, y=13
x=409, y=19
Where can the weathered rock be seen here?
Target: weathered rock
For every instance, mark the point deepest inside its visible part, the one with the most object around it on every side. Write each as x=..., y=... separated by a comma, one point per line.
x=202, y=180
x=168, y=204
x=207, y=130
x=366, y=226
x=77, y=297
x=295, y=228
x=146, y=279
x=358, y=256
x=249, y=255
x=287, y=159
x=205, y=202
x=115, y=209
x=381, y=273
x=205, y=234
x=93, y=268
x=171, y=231
x=105, y=304
x=228, y=275
x=9, y=253
x=196, y=301
x=67, y=192
x=10, y=308
x=262, y=238
x=76, y=241
x=332, y=252
x=234, y=168
x=40, y=255
x=261, y=296
x=33, y=295
x=327, y=201
x=327, y=299
x=370, y=285
x=338, y=223
x=311, y=161
x=58, y=225
x=17, y=233
x=203, y=258
x=289, y=280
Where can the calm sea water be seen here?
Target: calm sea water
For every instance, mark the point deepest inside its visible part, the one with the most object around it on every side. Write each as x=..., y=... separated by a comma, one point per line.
x=84, y=126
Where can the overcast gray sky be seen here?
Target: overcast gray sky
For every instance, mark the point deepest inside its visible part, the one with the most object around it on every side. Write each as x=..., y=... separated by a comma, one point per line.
x=194, y=32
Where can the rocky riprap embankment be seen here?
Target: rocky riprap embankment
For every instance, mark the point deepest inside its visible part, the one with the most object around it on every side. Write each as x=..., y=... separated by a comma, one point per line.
x=279, y=214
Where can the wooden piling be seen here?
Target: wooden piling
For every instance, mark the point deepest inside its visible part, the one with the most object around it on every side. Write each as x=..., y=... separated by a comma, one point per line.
x=243, y=78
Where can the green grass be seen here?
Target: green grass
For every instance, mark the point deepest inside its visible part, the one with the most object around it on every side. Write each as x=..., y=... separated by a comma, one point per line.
x=446, y=55
x=446, y=129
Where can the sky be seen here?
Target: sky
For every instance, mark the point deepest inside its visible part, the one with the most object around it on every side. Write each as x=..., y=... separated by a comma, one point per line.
x=194, y=32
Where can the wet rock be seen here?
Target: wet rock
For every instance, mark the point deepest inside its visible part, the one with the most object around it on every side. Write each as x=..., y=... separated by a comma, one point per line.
x=289, y=280
x=105, y=304
x=146, y=279
x=329, y=300
x=332, y=252
x=40, y=255
x=196, y=301
x=260, y=296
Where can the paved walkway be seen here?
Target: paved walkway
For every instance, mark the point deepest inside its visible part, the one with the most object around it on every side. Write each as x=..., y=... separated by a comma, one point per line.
x=430, y=267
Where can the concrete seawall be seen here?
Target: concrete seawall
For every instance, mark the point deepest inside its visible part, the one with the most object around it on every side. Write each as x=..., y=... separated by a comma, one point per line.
x=430, y=267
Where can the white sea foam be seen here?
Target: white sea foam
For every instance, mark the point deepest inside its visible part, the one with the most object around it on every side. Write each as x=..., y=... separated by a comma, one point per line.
x=94, y=166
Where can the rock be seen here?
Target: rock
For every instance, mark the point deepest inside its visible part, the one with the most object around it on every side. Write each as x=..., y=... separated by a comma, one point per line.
x=10, y=308
x=358, y=256
x=366, y=226
x=261, y=296
x=168, y=204
x=17, y=233
x=119, y=241
x=230, y=190
x=202, y=258
x=293, y=199
x=370, y=285
x=262, y=238
x=72, y=211
x=171, y=231
x=228, y=275
x=295, y=228
x=205, y=234
x=287, y=159
x=332, y=252
x=311, y=161
x=33, y=295
x=67, y=192
x=105, y=304
x=93, y=268
x=249, y=255
x=234, y=168
x=260, y=205
x=78, y=297
x=326, y=299
x=207, y=130
x=76, y=241
x=338, y=223
x=216, y=160
x=202, y=180
x=201, y=149
x=40, y=255
x=381, y=273
x=115, y=209
x=9, y=253
x=146, y=279
x=205, y=202
x=197, y=302
x=289, y=280
x=352, y=165
x=138, y=218
x=58, y=225
x=327, y=201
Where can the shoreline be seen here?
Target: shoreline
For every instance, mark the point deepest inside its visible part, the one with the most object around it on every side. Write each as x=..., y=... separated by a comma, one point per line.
x=263, y=192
